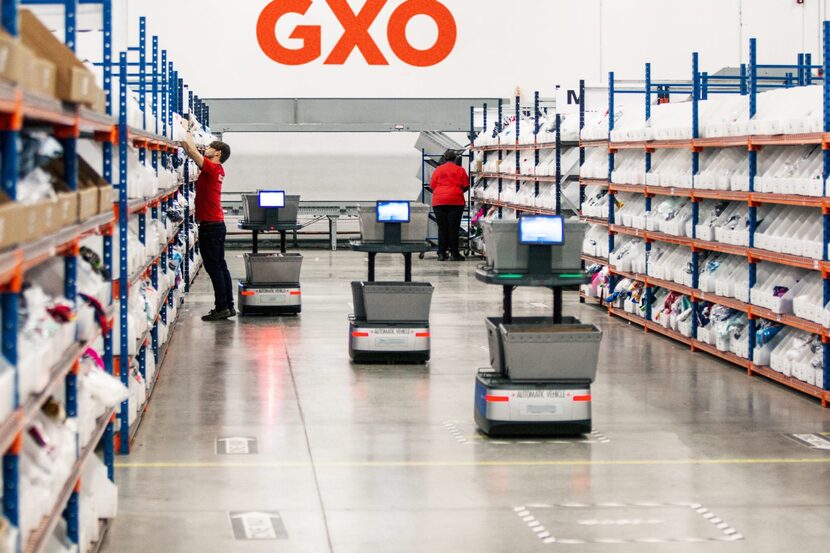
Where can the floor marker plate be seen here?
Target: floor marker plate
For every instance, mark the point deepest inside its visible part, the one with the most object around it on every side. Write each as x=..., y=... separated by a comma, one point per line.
x=257, y=525
x=813, y=441
x=236, y=445
x=621, y=527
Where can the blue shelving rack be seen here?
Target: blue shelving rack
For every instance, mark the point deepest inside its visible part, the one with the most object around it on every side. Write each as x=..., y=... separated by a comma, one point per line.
x=748, y=83
x=517, y=177
x=158, y=80
x=71, y=124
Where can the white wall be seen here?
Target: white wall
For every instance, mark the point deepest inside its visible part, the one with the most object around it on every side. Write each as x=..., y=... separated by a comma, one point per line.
x=502, y=44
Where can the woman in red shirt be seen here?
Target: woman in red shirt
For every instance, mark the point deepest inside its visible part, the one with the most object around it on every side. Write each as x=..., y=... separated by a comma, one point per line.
x=449, y=185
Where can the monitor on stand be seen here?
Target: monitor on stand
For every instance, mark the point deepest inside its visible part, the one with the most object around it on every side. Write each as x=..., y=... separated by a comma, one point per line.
x=392, y=214
x=271, y=201
x=541, y=233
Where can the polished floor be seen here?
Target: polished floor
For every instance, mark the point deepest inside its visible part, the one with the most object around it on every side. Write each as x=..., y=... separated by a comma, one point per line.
x=690, y=454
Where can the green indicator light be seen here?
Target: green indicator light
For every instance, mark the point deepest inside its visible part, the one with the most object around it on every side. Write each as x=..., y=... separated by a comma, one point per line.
x=571, y=276
x=511, y=276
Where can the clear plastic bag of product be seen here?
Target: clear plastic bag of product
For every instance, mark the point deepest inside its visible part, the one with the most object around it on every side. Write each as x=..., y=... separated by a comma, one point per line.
x=104, y=388
x=36, y=150
x=35, y=187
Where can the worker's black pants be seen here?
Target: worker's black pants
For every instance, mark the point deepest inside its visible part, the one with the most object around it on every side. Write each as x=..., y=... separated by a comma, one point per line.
x=212, y=245
x=449, y=227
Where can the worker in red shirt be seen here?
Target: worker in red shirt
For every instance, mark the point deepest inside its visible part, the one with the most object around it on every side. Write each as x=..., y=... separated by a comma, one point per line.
x=211, y=221
x=449, y=185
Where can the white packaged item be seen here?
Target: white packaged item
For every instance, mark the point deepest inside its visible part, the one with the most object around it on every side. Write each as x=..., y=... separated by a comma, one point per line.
x=776, y=286
x=596, y=202
x=596, y=125
x=626, y=251
x=720, y=114
x=670, y=168
x=732, y=227
x=808, y=300
x=709, y=213
x=718, y=167
x=6, y=388
x=671, y=121
x=596, y=164
x=596, y=242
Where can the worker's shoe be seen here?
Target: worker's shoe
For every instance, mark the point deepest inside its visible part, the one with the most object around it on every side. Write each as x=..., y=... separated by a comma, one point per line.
x=215, y=315
x=458, y=257
x=442, y=256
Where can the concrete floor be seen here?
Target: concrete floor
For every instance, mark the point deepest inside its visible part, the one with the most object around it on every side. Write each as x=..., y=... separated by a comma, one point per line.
x=363, y=459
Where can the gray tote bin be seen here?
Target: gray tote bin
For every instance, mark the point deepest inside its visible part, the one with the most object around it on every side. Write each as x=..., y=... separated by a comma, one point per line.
x=273, y=268
x=256, y=214
x=413, y=231
x=357, y=300
x=494, y=338
x=397, y=302
x=551, y=352
x=505, y=253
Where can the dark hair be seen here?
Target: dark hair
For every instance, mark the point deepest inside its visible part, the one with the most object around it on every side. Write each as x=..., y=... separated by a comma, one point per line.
x=450, y=156
x=222, y=148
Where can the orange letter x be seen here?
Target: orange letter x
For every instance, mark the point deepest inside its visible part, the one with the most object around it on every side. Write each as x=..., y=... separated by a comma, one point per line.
x=356, y=33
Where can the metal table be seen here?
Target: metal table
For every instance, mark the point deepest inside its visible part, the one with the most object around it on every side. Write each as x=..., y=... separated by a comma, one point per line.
x=373, y=249
x=257, y=228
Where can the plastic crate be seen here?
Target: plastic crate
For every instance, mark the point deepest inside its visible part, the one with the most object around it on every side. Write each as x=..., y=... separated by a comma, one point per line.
x=256, y=214
x=413, y=231
x=397, y=302
x=273, y=268
x=505, y=253
x=551, y=352
x=357, y=300
x=496, y=343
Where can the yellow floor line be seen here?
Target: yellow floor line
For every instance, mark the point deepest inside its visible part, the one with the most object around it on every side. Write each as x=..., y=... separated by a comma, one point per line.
x=462, y=464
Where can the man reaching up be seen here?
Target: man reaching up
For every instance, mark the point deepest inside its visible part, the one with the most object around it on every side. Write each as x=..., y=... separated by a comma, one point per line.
x=211, y=221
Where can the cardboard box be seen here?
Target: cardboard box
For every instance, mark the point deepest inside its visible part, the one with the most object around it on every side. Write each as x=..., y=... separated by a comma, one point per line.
x=41, y=77
x=87, y=203
x=105, y=199
x=10, y=222
x=83, y=203
x=90, y=180
x=15, y=58
x=39, y=220
x=99, y=105
x=74, y=82
x=67, y=211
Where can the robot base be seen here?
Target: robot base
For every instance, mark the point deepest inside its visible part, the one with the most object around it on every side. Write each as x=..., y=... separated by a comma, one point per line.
x=379, y=343
x=497, y=429
x=269, y=299
x=516, y=408
x=389, y=358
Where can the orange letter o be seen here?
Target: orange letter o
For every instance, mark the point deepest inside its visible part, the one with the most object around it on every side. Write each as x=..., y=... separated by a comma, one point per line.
x=309, y=34
x=447, y=32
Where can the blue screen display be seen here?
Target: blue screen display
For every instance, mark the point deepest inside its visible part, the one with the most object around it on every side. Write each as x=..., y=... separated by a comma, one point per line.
x=393, y=212
x=271, y=198
x=543, y=230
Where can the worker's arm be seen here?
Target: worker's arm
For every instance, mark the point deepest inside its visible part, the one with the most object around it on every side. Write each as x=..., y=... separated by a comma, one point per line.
x=433, y=181
x=191, y=150
x=466, y=182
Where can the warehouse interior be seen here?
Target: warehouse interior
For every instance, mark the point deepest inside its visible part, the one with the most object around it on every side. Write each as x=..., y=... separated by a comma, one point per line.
x=402, y=275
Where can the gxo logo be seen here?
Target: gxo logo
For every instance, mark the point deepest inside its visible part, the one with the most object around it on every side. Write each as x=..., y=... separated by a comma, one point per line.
x=356, y=33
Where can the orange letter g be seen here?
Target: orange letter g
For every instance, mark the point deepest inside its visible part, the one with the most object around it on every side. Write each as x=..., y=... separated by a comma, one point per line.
x=267, y=36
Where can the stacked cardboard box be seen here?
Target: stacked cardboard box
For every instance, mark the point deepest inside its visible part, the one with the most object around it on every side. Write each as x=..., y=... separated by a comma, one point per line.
x=74, y=83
